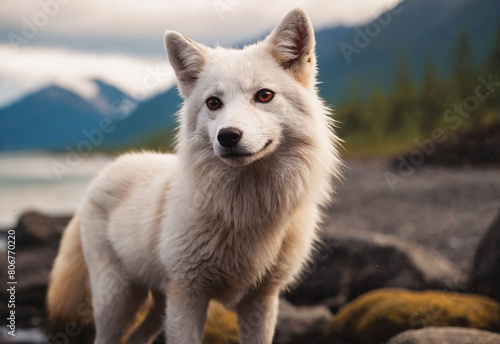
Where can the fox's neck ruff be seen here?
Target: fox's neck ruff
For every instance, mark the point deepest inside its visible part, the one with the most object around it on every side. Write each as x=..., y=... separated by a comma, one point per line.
x=255, y=197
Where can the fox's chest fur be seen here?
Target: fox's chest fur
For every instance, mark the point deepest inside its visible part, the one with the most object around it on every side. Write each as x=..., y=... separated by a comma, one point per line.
x=225, y=266
x=231, y=231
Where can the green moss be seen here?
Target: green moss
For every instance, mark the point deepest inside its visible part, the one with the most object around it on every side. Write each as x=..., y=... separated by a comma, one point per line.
x=377, y=316
x=221, y=326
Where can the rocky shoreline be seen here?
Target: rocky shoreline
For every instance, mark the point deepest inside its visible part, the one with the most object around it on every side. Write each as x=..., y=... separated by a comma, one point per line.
x=443, y=209
x=429, y=249
x=363, y=288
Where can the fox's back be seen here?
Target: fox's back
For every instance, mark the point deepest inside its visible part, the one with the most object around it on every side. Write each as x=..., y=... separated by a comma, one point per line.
x=129, y=196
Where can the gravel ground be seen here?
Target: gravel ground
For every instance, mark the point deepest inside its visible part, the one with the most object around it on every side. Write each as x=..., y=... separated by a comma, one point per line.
x=445, y=209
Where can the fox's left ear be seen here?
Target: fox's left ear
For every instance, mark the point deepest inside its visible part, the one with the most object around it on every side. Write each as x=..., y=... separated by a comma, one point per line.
x=186, y=58
x=292, y=44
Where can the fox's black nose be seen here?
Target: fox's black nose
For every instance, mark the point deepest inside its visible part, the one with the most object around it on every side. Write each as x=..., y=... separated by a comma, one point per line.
x=229, y=137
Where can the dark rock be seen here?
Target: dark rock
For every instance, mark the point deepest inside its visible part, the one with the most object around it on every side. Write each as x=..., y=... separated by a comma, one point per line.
x=479, y=146
x=298, y=325
x=345, y=267
x=37, y=240
x=446, y=335
x=485, y=274
x=36, y=229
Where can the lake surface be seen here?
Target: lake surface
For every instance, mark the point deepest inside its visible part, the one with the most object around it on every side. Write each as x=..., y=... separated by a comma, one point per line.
x=50, y=183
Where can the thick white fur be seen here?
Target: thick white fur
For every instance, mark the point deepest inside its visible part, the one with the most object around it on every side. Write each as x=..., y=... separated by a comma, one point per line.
x=197, y=226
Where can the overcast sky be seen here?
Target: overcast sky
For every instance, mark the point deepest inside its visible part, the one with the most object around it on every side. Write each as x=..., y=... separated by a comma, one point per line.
x=121, y=41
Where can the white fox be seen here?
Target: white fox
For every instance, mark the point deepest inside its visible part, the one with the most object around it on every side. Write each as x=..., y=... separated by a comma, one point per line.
x=232, y=216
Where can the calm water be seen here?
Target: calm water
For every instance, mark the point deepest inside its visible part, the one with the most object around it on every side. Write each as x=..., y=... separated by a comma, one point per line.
x=44, y=182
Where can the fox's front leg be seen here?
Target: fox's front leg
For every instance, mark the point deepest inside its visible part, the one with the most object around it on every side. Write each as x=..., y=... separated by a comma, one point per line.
x=257, y=316
x=186, y=314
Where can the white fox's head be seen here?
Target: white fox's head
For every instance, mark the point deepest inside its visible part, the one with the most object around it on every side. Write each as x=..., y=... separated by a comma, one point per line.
x=243, y=102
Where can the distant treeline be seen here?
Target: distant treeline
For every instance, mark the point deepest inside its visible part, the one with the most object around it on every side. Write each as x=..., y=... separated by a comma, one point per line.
x=389, y=123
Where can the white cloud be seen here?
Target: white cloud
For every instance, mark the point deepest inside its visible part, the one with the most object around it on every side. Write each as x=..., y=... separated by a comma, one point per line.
x=228, y=20
x=82, y=34
x=31, y=68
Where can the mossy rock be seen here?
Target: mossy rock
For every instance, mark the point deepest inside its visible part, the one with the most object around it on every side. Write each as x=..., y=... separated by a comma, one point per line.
x=139, y=318
x=377, y=316
x=221, y=326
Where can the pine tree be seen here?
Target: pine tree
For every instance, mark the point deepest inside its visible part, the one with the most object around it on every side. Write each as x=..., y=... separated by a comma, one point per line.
x=402, y=98
x=431, y=99
x=493, y=67
x=351, y=113
x=463, y=67
x=377, y=115
x=494, y=57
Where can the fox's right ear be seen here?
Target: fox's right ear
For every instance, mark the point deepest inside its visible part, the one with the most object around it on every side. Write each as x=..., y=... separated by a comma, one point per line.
x=292, y=45
x=186, y=58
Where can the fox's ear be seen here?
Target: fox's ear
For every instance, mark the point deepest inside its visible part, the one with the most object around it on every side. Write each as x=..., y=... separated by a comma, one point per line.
x=186, y=58
x=292, y=44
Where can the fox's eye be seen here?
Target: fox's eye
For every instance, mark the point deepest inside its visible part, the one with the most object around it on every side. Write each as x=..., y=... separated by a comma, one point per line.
x=214, y=103
x=264, y=96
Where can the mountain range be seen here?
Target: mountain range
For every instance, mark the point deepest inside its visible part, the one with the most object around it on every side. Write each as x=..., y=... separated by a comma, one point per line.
x=54, y=118
x=416, y=30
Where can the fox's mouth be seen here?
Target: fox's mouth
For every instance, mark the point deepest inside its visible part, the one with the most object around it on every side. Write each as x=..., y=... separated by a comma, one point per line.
x=237, y=155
